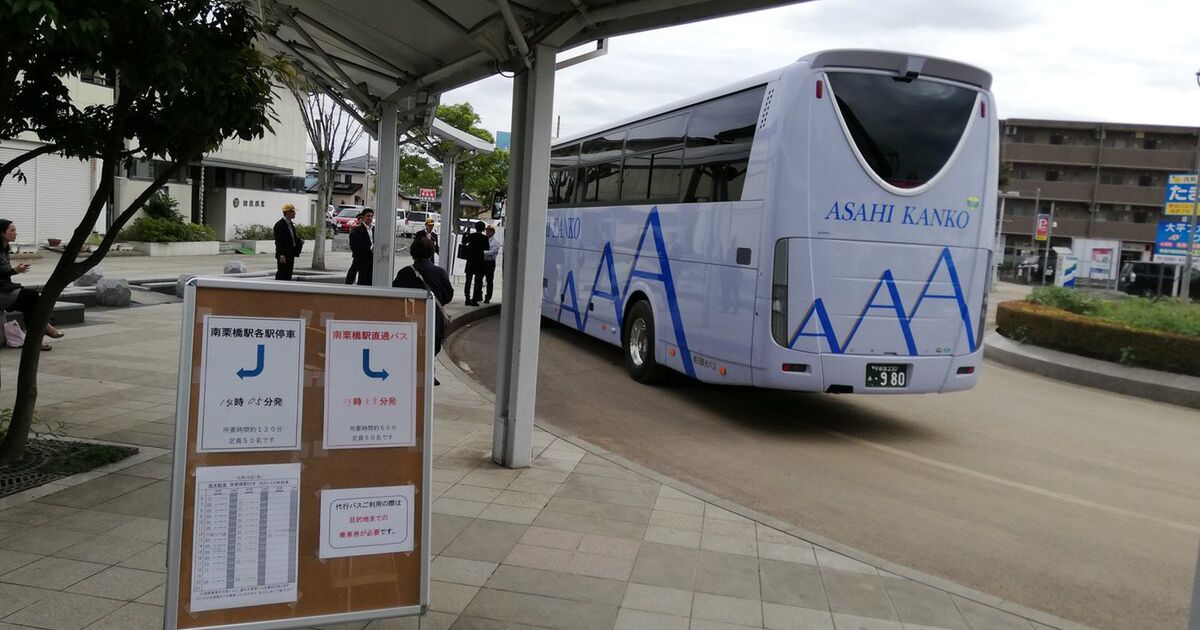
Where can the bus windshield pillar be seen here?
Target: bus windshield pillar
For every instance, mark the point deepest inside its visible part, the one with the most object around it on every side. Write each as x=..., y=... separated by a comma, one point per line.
x=524, y=258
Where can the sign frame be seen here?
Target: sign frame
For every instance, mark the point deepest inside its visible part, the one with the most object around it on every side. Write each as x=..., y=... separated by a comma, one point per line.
x=186, y=460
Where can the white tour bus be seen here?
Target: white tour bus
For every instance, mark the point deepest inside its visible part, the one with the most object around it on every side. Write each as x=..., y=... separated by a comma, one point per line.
x=824, y=227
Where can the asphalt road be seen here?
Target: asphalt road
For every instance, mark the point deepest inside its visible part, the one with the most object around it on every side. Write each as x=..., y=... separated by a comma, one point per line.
x=1069, y=500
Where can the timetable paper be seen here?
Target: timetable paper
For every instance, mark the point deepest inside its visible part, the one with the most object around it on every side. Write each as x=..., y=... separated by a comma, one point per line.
x=245, y=536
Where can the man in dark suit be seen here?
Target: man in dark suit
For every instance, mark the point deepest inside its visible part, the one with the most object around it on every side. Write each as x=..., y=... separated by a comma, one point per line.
x=475, y=245
x=362, y=246
x=429, y=234
x=288, y=244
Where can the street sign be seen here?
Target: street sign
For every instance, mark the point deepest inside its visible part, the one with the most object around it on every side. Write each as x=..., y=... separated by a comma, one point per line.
x=1172, y=239
x=427, y=194
x=1043, y=228
x=279, y=519
x=1180, y=194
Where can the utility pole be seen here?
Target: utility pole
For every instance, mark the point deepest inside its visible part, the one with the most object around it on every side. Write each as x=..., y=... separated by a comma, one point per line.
x=367, y=176
x=999, y=247
x=1049, y=240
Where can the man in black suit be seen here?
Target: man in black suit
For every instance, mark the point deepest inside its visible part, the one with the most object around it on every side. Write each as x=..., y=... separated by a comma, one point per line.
x=429, y=234
x=475, y=245
x=288, y=244
x=362, y=246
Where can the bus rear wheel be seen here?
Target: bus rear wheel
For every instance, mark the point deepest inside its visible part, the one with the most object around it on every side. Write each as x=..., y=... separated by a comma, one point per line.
x=638, y=342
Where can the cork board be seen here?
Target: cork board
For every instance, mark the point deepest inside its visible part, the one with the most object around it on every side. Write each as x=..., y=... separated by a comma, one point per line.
x=337, y=588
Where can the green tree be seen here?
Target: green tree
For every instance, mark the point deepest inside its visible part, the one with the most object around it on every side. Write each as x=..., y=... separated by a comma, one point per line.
x=479, y=175
x=416, y=172
x=187, y=76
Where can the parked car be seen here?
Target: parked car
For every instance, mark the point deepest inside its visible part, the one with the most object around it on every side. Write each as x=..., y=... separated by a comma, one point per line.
x=1153, y=279
x=413, y=221
x=346, y=218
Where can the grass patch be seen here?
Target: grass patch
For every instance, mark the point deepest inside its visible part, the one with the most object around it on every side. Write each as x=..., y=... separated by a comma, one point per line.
x=1162, y=315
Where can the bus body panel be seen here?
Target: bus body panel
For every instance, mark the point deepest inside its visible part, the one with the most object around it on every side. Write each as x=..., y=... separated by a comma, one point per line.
x=876, y=272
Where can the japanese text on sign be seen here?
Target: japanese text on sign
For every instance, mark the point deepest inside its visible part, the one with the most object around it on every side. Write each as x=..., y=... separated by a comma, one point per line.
x=363, y=521
x=250, y=384
x=370, y=384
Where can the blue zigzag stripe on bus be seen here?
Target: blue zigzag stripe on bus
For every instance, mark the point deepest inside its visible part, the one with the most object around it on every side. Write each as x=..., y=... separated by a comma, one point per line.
x=654, y=227
x=903, y=318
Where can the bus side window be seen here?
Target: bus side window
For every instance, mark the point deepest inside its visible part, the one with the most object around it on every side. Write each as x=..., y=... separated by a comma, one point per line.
x=566, y=184
x=609, y=182
x=552, y=196
x=719, y=137
x=635, y=178
x=664, y=175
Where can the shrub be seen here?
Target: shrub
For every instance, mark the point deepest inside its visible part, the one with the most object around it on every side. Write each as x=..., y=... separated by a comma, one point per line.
x=309, y=232
x=256, y=232
x=1161, y=314
x=161, y=205
x=1058, y=329
x=158, y=230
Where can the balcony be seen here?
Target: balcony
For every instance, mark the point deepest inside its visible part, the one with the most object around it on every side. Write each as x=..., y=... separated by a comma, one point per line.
x=1054, y=191
x=1136, y=195
x=1078, y=228
x=1048, y=154
x=1175, y=161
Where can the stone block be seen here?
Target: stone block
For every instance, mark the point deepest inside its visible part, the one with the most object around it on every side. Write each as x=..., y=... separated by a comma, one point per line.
x=181, y=282
x=236, y=266
x=90, y=278
x=112, y=292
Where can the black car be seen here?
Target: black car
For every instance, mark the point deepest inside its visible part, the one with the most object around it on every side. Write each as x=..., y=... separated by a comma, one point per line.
x=1154, y=279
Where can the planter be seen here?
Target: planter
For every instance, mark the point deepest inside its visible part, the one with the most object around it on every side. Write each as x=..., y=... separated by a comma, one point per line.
x=54, y=242
x=268, y=247
x=199, y=248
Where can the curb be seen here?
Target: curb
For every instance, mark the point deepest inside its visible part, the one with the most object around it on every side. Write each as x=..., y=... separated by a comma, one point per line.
x=770, y=521
x=1176, y=389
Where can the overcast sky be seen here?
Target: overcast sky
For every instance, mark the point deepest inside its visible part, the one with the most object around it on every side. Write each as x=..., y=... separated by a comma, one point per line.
x=1061, y=59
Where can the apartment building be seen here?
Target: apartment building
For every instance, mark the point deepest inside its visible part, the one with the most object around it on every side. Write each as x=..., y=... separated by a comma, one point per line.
x=242, y=183
x=1104, y=183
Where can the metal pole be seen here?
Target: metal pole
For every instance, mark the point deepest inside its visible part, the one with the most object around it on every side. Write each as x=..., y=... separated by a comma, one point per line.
x=385, y=185
x=446, y=244
x=1185, y=291
x=1049, y=240
x=367, y=177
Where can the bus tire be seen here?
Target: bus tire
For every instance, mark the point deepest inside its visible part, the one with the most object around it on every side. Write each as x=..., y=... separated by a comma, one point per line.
x=637, y=340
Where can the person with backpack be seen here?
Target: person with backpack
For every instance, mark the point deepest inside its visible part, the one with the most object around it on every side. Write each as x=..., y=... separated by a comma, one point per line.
x=423, y=274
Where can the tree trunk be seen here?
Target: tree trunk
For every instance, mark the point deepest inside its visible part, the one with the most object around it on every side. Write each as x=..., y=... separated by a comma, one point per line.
x=323, y=189
x=13, y=446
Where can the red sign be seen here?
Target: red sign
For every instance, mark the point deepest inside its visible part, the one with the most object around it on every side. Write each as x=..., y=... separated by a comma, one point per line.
x=427, y=193
x=1043, y=228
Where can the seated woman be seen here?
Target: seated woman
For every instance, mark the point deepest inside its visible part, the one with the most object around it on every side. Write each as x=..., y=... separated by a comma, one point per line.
x=14, y=297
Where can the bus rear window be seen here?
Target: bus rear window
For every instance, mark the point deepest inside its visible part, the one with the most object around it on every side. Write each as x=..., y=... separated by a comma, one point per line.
x=905, y=130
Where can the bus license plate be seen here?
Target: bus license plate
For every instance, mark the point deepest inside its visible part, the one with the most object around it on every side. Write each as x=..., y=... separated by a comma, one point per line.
x=887, y=375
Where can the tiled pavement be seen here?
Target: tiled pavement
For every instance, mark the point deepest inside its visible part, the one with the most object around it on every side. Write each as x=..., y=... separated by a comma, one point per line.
x=574, y=542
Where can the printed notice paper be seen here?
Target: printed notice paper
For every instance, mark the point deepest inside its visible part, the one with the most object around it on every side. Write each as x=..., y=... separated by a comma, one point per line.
x=251, y=372
x=244, y=540
x=364, y=521
x=370, y=384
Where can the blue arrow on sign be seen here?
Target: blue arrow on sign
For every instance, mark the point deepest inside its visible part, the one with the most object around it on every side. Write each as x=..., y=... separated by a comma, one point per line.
x=262, y=355
x=381, y=374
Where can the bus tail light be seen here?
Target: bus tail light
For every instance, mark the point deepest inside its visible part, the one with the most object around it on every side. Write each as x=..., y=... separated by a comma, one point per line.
x=966, y=369
x=820, y=88
x=779, y=294
x=983, y=109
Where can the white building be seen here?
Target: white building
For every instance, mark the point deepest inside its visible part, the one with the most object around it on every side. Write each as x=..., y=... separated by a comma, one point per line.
x=242, y=183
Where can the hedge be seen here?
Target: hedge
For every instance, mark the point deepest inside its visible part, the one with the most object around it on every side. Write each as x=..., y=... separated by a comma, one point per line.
x=1057, y=329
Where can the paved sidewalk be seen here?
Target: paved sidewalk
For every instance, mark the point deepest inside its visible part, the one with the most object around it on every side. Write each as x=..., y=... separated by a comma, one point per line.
x=578, y=540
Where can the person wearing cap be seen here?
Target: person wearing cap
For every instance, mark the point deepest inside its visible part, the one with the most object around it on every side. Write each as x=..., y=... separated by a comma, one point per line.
x=489, y=263
x=474, y=246
x=288, y=244
x=429, y=234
